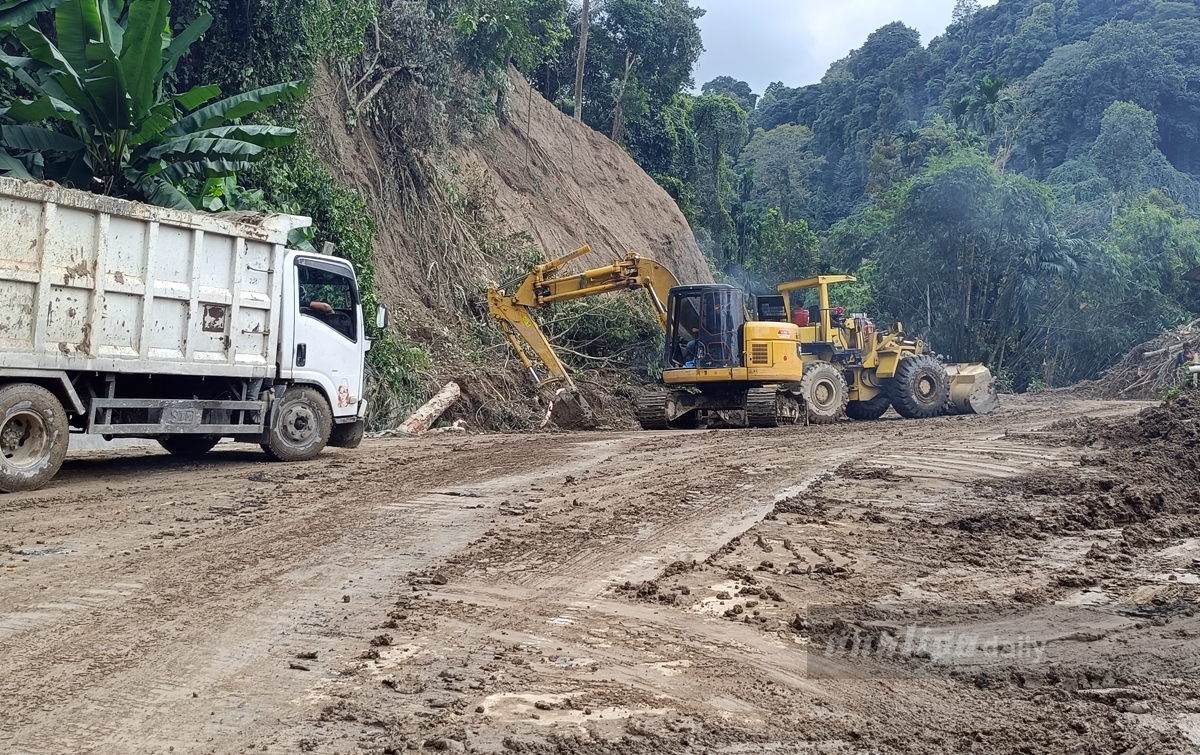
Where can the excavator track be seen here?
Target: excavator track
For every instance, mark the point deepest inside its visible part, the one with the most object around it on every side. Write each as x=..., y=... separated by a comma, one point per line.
x=767, y=407
x=652, y=411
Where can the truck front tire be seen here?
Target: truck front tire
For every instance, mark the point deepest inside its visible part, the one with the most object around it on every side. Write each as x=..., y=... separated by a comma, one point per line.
x=349, y=435
x=301, y=423
x=33, y=437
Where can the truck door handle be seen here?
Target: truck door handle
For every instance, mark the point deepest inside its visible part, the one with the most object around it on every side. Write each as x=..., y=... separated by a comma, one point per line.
x=301, y=354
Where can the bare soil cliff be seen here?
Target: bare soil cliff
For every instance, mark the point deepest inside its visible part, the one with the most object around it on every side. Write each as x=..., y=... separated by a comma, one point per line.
x=567, y=185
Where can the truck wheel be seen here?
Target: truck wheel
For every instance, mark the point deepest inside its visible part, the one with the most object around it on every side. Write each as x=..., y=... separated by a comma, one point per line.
x=188, y=446
x=33, y=437
x=869, y=410
x=301, y=423
x=825, y=393
x=349, y=435
x=920, y=388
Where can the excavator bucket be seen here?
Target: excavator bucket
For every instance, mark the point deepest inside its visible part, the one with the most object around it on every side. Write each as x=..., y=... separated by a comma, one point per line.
x=972, y=389
x=570, y=411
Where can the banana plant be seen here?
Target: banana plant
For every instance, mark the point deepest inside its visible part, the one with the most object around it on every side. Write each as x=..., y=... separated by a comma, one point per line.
x=96, y=114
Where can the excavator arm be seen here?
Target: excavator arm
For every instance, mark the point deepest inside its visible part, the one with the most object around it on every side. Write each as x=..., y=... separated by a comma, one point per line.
x=545, y=286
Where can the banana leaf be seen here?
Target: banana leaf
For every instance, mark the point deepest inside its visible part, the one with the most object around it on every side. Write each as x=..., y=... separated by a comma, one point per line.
x=181, y=43
x=237, y=106
x=14, y=13
x=35, y=139
x=11, y=166
x=165, y=114
x=142, y=54
x=204, y=169
x=263, y=136
x=190, y=148
x=76, y=24
x=41, y=109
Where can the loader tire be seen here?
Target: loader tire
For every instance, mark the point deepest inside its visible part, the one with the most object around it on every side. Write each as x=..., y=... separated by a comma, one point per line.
x=652, y=411
x=188, y=446
x=920, y=388
x=33, y=437
x=825, y=393
x=301, y=423
x=770, y=407
x=868, y=411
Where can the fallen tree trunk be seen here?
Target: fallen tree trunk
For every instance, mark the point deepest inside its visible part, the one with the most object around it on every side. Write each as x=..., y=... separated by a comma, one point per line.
x=423, y=418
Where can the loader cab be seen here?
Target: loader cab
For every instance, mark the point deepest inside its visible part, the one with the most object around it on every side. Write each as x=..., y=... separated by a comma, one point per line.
x=704, y=326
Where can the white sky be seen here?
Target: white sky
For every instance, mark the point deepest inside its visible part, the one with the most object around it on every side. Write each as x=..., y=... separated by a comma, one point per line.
x=794, y=41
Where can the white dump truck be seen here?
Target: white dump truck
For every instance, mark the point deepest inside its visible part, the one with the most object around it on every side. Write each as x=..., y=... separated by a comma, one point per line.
x=124, y=320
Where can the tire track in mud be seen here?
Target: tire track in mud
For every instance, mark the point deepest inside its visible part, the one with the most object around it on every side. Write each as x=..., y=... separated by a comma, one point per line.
x=221, y=617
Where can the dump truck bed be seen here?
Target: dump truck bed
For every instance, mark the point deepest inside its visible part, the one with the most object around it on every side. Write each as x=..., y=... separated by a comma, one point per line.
x=99, y=284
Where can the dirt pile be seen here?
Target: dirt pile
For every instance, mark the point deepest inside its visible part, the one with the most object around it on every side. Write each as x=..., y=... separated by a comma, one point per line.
x=567, y=185
x=1141, y=474
x=1148, y=370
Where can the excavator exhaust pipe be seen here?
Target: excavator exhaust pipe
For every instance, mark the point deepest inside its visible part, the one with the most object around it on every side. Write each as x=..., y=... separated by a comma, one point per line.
x=972, y=389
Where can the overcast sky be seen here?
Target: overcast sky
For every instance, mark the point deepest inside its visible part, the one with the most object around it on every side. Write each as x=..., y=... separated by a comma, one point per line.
x=794, y=41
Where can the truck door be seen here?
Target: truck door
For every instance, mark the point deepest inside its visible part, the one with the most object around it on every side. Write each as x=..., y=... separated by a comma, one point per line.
x=327, y=343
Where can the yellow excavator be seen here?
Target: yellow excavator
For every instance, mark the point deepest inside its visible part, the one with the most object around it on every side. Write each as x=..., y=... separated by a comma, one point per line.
x=544, y=286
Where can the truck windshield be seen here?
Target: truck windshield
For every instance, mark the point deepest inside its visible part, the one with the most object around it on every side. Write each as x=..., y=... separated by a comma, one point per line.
x=328, y=295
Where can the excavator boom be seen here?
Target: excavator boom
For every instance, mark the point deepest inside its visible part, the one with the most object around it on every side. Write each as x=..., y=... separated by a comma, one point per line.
x=544, y=286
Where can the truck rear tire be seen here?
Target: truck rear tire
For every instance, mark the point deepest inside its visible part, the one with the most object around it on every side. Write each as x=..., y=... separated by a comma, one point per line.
x=33, y=437
x=301, y=423
x=920, y=388
x=348, y=435
x=188, y=446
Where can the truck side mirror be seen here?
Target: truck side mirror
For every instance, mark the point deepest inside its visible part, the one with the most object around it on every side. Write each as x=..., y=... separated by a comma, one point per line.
x=382, y=318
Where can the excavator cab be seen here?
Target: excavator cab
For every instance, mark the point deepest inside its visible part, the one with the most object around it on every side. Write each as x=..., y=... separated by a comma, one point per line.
x=705, y=327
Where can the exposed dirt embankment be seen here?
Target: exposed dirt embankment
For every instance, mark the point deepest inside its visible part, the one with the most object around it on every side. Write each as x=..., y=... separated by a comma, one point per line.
x=567, y=185
x=544, y=175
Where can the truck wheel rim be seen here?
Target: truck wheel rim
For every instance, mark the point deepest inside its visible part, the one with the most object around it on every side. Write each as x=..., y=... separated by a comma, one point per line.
x=299, y=424
x=24, y=440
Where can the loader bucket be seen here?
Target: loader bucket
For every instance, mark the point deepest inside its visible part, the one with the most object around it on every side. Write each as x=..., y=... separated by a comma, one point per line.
x=972, y=389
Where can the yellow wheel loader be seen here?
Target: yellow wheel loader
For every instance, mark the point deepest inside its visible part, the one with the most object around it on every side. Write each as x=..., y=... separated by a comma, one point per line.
x=879, y=370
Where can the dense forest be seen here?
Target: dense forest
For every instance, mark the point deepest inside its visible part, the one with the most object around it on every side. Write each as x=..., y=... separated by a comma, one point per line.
x=1021, y=190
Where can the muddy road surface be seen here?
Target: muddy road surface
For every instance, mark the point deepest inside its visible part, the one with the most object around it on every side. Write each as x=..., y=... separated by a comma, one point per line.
x=942, y=586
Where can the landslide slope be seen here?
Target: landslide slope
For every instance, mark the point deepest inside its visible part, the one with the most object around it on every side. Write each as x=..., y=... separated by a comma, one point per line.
x=567, y=185
x=538, y=173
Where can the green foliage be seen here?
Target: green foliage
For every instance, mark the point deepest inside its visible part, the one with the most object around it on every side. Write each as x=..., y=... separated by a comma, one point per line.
x=738, y=90
x=608, y=331
x=527, y=33
x=1128, y=137
x=99, y=117
x=784, y=252
x=783, y=169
